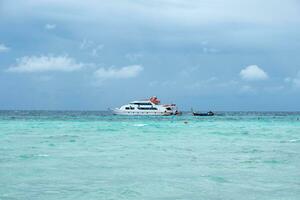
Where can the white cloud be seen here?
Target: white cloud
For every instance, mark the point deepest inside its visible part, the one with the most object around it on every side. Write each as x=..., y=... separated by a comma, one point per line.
x=3, y=48
x=121, y=73
x=295, y=81
x=217, y=21
x=50, y=26
x=31, y=64
x=85, y=44
x=253, y=72
x=97, y=49
x=179, y=11
x=91, y=46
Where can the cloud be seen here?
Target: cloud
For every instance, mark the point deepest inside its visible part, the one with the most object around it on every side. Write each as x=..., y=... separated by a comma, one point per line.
x=252, y=73
x=91, y=46
x=206, y=49
x=226, y=23
x=121, y=73
x=295, y=81
x=96, y=50
x=31, y=64
x=85, y=44
x=50, y=26
x=180, y=11
x=3, y=48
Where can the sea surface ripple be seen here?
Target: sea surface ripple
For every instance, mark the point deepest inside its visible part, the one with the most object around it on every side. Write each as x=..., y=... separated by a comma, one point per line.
x=95, y=155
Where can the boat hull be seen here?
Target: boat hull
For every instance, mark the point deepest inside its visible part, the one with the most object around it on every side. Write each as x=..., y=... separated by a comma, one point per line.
x=204, y=114
x=141, y=113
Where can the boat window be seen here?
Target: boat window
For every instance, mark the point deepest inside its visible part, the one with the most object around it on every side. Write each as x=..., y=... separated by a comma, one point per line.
x=168, y=108
x=143, y=104
x=127, y=108
x=131, y=108
x=147, y=108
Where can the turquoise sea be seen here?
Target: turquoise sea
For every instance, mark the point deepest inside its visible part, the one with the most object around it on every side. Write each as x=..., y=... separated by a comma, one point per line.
x=95, y=155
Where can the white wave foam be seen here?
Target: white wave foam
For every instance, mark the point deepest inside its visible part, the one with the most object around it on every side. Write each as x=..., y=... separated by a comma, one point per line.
x=140, y=125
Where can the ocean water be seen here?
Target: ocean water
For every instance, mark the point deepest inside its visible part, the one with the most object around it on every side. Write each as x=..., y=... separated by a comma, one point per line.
x=95, y=155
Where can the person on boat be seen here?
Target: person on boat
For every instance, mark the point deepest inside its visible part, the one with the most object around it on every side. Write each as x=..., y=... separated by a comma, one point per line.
x=155, y=100
x=177, y=112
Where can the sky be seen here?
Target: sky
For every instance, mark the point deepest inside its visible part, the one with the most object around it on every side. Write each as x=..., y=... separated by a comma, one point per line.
x=221, y=55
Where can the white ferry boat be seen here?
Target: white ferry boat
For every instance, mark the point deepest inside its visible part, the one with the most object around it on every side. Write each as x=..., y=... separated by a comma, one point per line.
x=151, y=106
